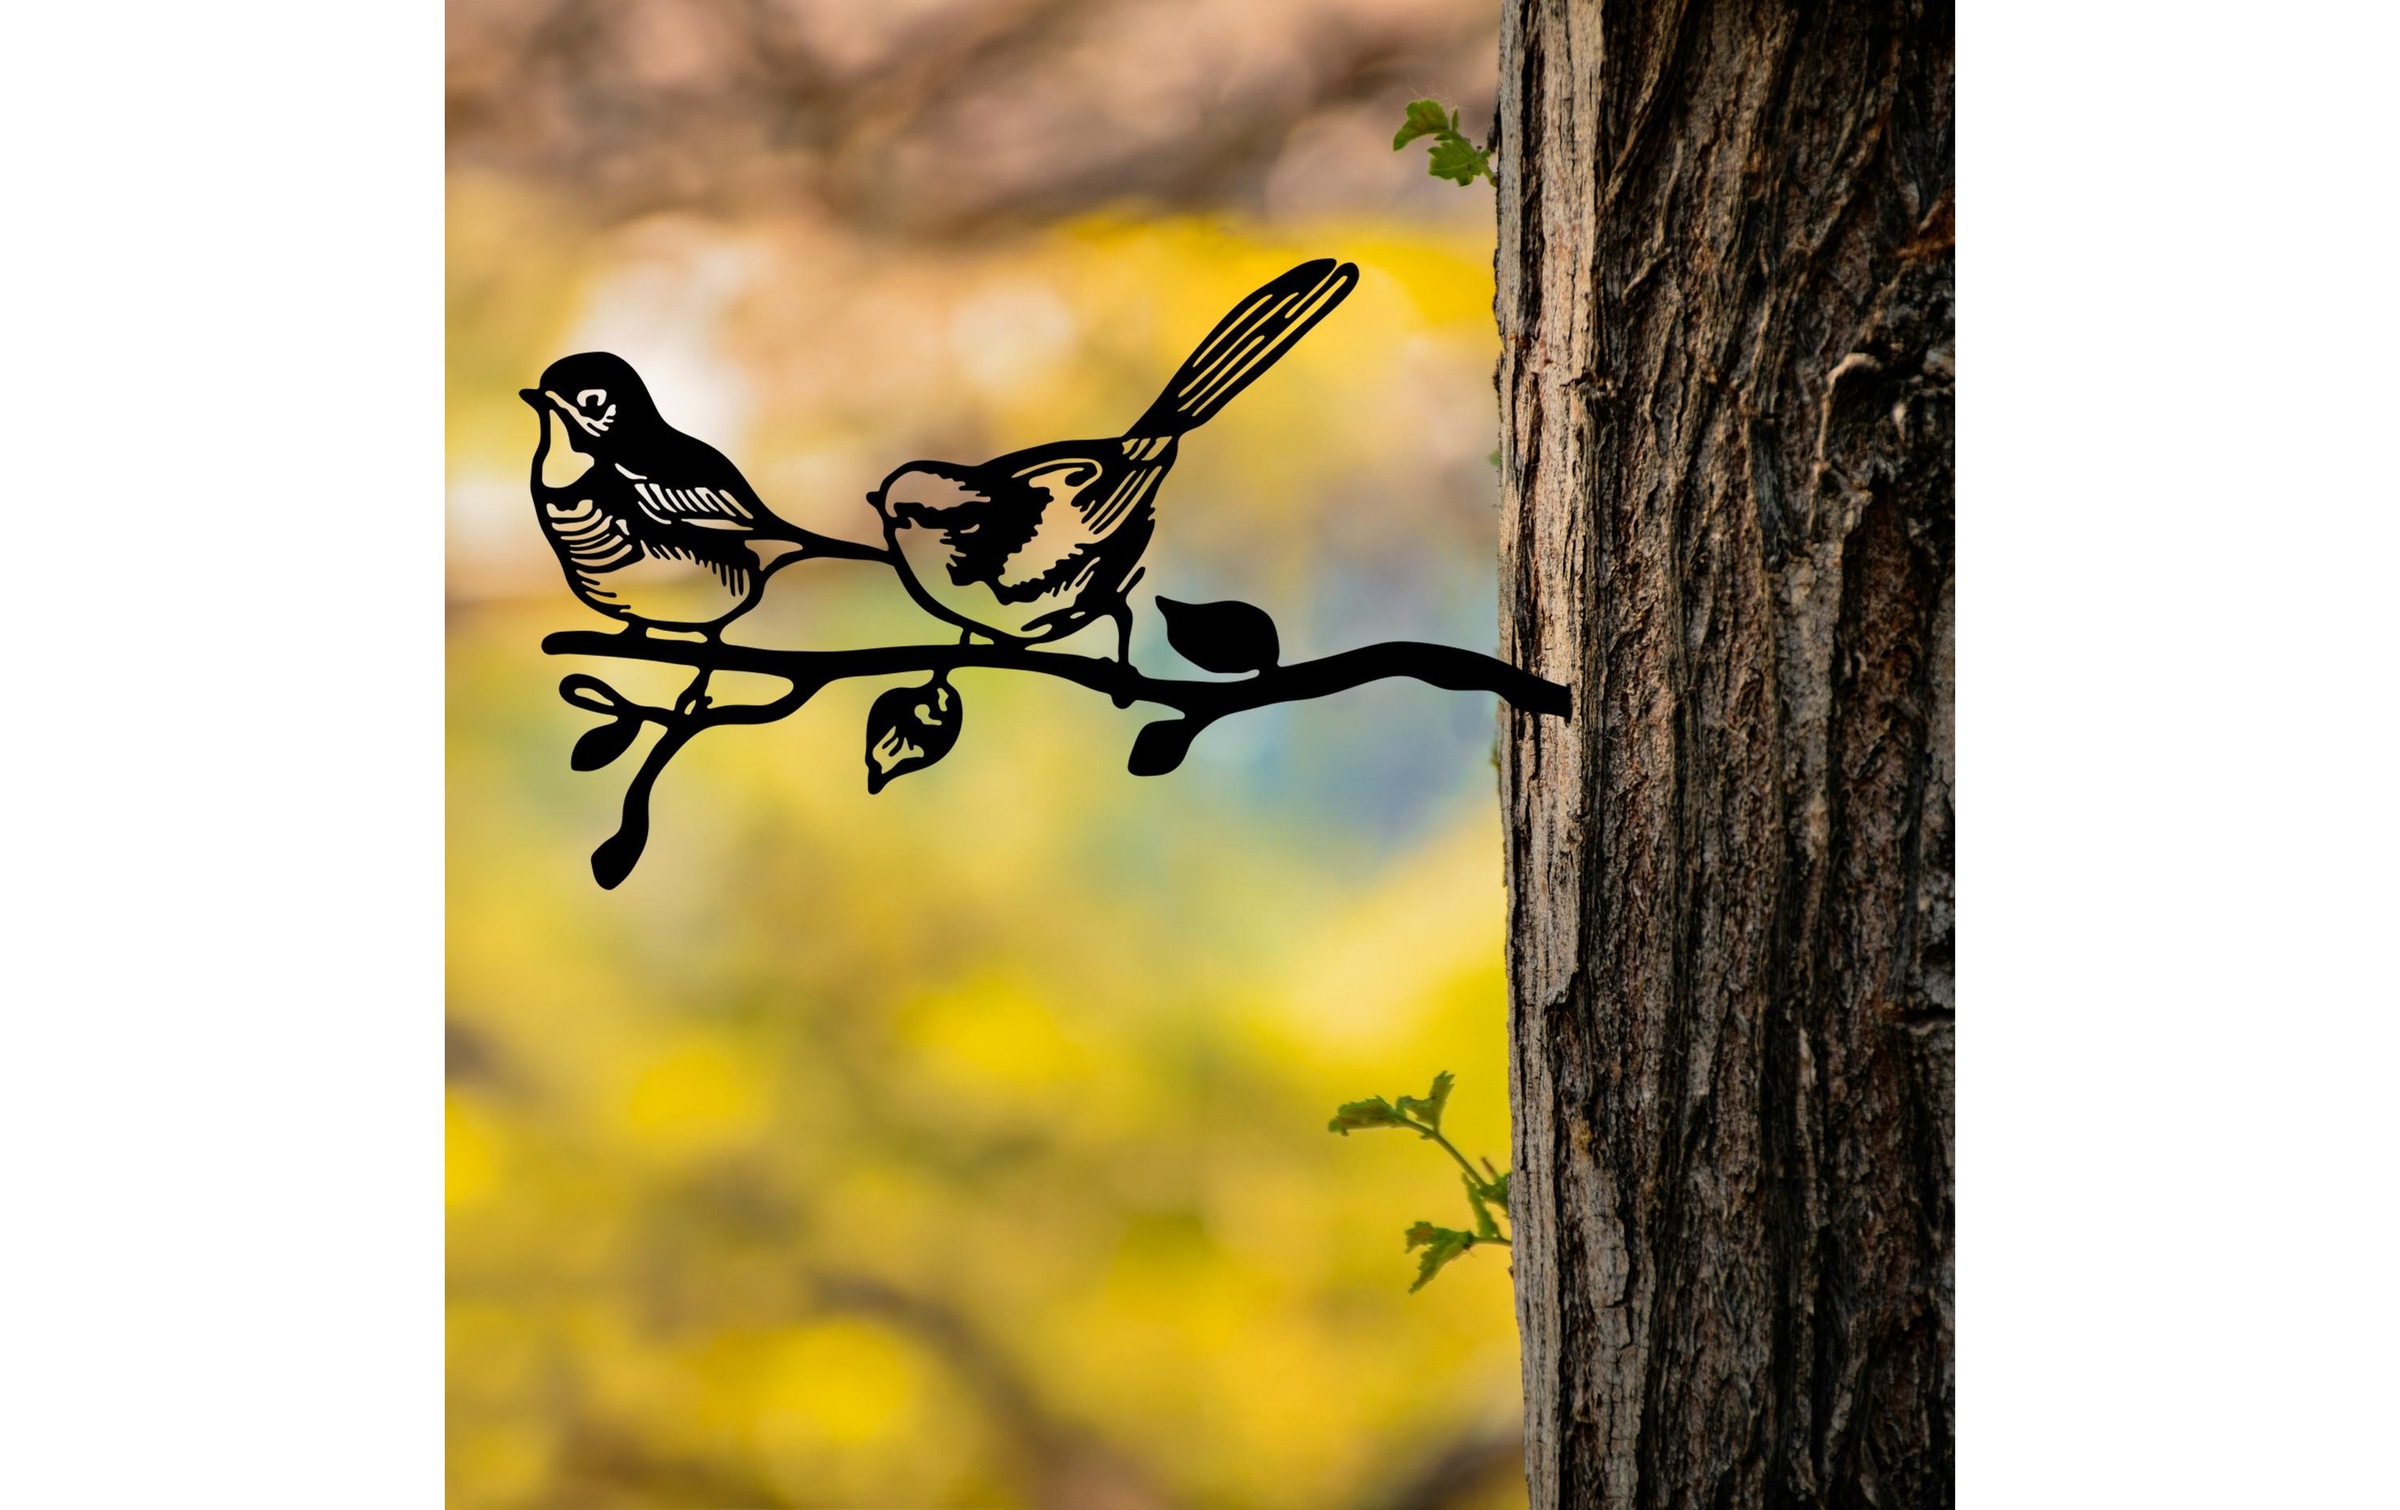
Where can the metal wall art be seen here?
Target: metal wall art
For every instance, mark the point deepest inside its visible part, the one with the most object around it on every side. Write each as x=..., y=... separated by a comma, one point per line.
x=659, y=531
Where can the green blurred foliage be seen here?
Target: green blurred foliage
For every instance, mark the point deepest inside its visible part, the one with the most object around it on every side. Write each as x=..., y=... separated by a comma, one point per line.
x=959, y=1145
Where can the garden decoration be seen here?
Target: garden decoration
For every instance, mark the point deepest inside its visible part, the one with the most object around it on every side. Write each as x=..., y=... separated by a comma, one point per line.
x=660, y=531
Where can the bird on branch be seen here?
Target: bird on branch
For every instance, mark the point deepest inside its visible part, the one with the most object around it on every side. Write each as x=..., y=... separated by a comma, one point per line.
x=1035, y=545
x=653, y=527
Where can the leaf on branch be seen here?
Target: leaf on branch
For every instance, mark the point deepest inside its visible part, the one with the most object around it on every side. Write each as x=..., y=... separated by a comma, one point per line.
x=1161, y=746
x=614, y=860
x=1428, y=1107
x=591, y=694
x=908, y=729
x=1371, y=1113
x=1229, y=637
x=1424, y=118
x=1454, y=156
x=1459, y=160
x=600, y=746
x=1441, y=1245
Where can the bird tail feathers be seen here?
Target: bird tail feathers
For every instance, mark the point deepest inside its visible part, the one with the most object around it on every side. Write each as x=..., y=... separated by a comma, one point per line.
x=1249, y=340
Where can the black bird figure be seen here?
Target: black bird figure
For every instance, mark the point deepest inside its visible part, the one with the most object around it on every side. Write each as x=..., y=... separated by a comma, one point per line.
x=1039, y=543
x=654, y=527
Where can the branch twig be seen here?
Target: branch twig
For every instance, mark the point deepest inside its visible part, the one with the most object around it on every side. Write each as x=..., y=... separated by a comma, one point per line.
x=1444, y=666
x=1158, y=749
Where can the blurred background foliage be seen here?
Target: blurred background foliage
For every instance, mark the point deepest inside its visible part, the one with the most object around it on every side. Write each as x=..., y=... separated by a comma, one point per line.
x=965, y=1145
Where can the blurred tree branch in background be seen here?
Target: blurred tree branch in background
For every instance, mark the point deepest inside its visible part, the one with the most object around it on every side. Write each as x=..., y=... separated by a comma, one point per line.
x=1061, y=1465
x=1067, y=1466
x=933, y=117
x=1461, y=1472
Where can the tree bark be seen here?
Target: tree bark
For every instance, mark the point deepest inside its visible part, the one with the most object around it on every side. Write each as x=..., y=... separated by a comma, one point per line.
x=1725, y=254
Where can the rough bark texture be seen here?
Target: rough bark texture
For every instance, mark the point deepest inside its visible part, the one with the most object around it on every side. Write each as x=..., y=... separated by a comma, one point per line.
x=1725, y=301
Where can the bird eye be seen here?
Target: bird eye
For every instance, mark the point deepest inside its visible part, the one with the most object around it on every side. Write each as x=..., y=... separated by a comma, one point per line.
x=591, y=398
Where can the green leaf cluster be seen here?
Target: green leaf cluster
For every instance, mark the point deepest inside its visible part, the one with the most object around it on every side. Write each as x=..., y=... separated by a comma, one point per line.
x=1424, y=1113
x=1487, y=1188
x=1441, y=1244
x=1454, y=157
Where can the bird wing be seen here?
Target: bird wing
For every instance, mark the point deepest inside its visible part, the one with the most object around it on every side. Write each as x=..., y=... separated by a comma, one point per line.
x=698, y=505
x=1082, y=501
x=690, y=484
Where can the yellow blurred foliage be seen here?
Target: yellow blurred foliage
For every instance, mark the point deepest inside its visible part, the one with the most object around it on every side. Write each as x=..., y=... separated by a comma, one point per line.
x=843, y=1382
x=471, y=1149
x=965, y=1145
x=698, y=1095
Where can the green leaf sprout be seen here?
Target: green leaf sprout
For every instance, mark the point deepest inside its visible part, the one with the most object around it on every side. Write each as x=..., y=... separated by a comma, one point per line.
x=1454, y=157
x=1487, y=1188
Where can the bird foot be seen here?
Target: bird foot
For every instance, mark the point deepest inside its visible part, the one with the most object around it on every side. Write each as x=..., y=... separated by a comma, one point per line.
x=1123, y=697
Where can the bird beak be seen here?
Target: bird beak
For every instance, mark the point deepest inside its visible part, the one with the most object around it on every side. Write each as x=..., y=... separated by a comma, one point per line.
x=532, y=396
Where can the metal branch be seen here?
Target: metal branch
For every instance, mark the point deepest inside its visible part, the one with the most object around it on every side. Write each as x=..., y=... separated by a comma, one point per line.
x=1437, y=665
x=1159, y=748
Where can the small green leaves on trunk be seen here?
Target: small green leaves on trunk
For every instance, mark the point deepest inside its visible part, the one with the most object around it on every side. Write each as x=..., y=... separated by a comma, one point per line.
x=1454, y=157
x=1428, y=1107
x=1487, y=1188
x=1441, y=1244
x=1374, y=1113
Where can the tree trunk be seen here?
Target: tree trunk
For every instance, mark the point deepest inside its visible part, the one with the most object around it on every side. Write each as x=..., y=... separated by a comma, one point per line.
x=1725, y=387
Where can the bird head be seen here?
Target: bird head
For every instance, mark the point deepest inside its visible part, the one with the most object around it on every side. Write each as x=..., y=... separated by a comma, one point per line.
x=597, y=395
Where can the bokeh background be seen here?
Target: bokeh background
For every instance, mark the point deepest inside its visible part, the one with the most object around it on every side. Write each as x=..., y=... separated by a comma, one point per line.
x=965, y=1145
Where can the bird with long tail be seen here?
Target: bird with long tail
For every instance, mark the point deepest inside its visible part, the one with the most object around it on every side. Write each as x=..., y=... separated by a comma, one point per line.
x=1039, y=543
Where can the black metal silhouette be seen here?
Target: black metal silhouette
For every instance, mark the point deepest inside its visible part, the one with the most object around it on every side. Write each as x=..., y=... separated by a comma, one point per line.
x=652, y=526
x=659, y=531
x=1228, y=637
x=1159, y=748
x=1034, y=545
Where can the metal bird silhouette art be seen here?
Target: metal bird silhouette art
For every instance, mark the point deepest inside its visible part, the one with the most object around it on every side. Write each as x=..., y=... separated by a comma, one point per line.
x=659, y=531
x=654, y=528
x=1034, y=545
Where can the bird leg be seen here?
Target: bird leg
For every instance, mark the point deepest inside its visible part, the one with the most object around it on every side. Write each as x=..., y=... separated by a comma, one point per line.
x=1123, y=614
x=694, y=698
